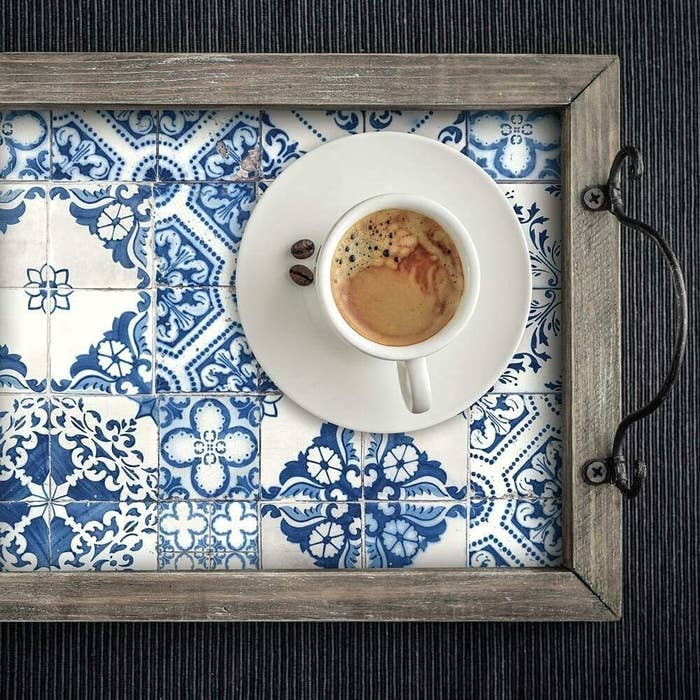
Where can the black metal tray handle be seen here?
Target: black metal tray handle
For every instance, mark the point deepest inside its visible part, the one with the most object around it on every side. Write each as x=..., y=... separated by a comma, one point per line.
x=613, y=470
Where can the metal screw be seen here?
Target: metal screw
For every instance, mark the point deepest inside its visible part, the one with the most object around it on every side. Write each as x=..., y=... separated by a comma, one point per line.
x=595, y=472
x=594, y=198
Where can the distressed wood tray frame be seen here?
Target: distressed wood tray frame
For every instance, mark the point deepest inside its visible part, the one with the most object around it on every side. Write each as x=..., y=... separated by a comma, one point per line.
x=586, y=89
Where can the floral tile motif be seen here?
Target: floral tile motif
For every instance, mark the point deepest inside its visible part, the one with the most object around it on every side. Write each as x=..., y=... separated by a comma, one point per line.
x=195, y=535
x=415, y=534
x=101, y=234
x=289, y=134
x=538, y=208
x=24, y=446
x=104, y=449
x=305, y=459
x=515, y=533
x=234, y=527
x=307, y=535
x=446, y=126
x=536, y=365
x=102, y=536
x=516, y=446
x=208, y=145
x=104, y=145
x=516, y=145
x=198, y=231
x=200, y=343
x=24, y=538
x=101, y=342
x=209, y=447
x=427, y=464
x=23, y=342
x=183, y=526
x=22, y=232
x=24, y=144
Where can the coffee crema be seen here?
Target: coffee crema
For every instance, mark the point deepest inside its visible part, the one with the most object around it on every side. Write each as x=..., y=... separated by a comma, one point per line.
x=396, y=277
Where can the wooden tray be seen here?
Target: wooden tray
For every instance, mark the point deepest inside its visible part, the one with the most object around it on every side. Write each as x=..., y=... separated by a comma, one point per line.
x=586, y=90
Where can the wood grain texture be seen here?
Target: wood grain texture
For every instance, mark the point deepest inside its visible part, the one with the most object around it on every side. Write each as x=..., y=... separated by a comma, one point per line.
x=468, y=594
x=307, y=80
x=593, y=544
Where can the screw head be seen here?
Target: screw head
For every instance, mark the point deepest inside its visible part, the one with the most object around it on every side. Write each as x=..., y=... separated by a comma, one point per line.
x=594, y=198
x=595, y=472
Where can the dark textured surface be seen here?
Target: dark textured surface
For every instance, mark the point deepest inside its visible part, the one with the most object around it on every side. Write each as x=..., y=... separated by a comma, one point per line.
x=654, y=651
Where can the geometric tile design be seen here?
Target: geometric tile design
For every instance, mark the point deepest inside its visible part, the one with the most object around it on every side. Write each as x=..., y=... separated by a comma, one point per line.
x=209, y=448
x=516, y=446
x=289, y=134
x=24, y=144
x=200, y=344
x=198, y=229
x=137, y=430
x=208, y=145
x=104, y=145
x=511, y=532
x=522, y=145
x=445, y=126
x=194, y=535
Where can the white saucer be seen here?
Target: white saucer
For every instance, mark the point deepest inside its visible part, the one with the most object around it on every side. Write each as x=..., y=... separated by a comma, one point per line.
x=304, y=356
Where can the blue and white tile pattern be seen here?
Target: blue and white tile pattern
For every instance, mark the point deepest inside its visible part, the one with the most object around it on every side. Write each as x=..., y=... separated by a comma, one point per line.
x=137, y=430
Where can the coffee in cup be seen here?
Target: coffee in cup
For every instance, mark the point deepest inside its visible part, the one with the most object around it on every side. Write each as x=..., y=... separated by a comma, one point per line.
x=396, y=277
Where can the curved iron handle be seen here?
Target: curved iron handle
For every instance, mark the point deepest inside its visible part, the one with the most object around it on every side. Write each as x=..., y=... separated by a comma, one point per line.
x=609, y=198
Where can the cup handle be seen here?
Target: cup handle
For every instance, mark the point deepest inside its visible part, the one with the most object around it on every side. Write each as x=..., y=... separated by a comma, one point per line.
x=415, y=384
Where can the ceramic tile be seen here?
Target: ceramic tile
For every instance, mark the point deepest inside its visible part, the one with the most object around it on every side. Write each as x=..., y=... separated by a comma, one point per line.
x=216, y=535
x=24, y=446
x=537, y=362
x=426, y=464
x=420, y=535
x=509, y=532
x=198, y=231
x=103, y=536
x=24, y=538
x=104, y=145
x=287, y=134
x=446, y=126
x=209, y=447
x=516, y=145
x=516, y=445
x=200, y=343
x=208, y=145
x=22, y=233
x=307, y=535
x=538, y=208
x=104, y=448
x=304, y=458
x=101, y=235
x=24, y=144
x=217, y=470
x=101, y=342
x=23, y=340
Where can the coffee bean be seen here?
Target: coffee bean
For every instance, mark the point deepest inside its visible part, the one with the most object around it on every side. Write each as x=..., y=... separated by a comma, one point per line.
x=303, y=249
x=301, y=275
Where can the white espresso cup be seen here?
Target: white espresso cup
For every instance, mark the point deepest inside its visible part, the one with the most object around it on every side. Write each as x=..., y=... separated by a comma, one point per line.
x=411, y=360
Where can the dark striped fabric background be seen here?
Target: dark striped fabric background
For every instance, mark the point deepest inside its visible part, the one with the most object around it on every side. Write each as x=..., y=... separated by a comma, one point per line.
x=654, y=651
